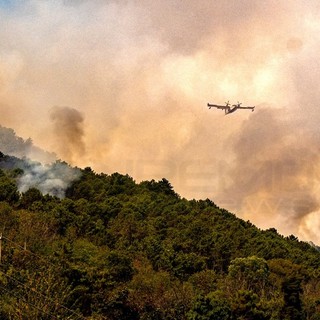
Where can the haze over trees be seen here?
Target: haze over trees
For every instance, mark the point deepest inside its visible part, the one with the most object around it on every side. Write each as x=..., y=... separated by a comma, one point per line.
x=14, y=145
x=111, y=248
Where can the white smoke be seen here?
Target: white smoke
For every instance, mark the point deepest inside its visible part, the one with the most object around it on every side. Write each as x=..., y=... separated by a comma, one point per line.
x=49, y=179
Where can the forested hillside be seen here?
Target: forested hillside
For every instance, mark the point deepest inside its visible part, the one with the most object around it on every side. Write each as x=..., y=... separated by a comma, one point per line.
x=111, y=248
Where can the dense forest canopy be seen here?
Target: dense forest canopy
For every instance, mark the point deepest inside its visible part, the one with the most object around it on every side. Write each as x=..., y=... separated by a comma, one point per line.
x=105, y=247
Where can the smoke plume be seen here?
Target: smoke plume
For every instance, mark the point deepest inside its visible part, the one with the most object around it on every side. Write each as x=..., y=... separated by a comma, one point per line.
x=51, y=179
x=68, y=129
x=142, y=73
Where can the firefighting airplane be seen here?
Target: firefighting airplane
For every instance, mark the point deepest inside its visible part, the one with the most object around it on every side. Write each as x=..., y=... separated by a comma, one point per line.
x=228, y=108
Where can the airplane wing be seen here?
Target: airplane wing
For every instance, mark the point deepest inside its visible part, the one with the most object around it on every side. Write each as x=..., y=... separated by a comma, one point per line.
x=216, y=106
x=252, y=108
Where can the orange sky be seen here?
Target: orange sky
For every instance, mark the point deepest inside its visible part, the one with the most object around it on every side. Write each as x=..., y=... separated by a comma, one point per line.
x=133, y=79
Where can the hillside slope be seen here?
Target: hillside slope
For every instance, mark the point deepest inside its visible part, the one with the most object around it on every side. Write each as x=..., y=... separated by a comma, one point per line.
x=116, y=249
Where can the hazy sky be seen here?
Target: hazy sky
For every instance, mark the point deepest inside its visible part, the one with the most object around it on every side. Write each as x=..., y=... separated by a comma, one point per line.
x=123, y=86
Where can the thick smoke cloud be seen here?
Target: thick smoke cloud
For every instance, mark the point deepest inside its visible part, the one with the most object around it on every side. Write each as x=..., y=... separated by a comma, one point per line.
x=68, y=128
x=142, y=72
x=275, y=174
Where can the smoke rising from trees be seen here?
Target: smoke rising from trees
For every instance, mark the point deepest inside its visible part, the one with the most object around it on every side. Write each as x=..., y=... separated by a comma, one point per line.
x=51, y=179
x=68, y=128
x=142, y=72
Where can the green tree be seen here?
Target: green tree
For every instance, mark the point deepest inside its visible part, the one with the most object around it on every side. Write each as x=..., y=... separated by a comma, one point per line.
x=246, y=306
x=36, y=295
x=249, y=273
x=8, y=189
x=292, y=291
x=8, y=218
x=213, y=306
x=29, y=197
x=186, y=264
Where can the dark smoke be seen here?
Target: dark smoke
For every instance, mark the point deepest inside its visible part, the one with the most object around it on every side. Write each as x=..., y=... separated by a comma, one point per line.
x=68, y=128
